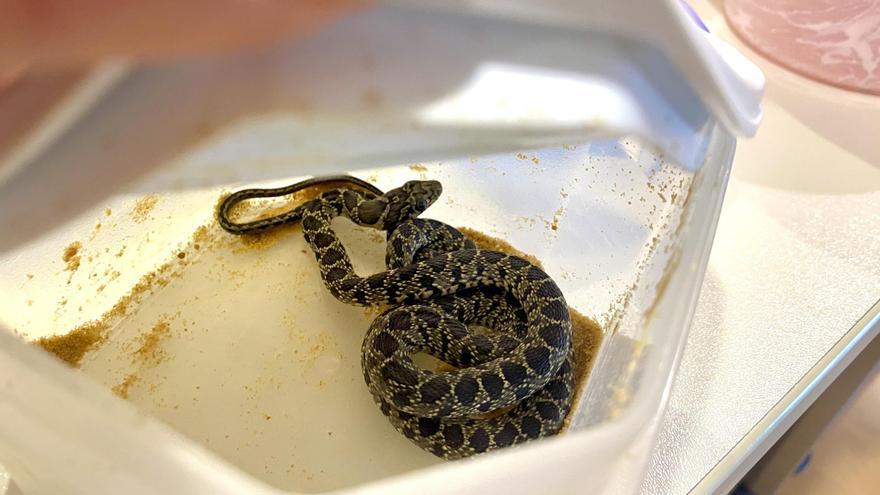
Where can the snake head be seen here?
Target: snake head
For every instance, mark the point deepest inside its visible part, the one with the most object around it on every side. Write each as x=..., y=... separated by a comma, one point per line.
x=406, y=202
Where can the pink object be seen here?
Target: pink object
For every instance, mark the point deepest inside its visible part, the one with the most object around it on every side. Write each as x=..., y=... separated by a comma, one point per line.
x=833, y=41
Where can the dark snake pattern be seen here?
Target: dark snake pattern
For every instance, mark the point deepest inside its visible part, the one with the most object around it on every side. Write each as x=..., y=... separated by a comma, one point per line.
x=499, y=321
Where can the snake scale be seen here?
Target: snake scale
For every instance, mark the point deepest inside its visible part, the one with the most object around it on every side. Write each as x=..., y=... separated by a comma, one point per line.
x=510, y=384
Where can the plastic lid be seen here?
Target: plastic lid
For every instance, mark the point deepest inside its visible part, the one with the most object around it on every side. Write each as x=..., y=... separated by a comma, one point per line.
x=729, y=85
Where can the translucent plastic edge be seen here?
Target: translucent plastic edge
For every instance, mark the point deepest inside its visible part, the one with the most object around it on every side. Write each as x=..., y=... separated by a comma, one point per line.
x=670, y=319
x=60, y=422
x=60, y=432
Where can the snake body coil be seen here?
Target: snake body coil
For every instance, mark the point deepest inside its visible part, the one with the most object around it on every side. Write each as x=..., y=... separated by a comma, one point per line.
x=510, y=384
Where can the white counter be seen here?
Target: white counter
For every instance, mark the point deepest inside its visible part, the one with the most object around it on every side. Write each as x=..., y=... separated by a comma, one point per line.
x=794, y=267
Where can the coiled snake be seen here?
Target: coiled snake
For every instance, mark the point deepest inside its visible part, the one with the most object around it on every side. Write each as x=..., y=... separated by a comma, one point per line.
x=510, y=385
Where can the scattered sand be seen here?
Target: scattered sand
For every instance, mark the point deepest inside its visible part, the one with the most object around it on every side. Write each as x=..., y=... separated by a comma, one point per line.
x=71, y=256
x=143, y=207
x=533, y=158
x=586, y=337
x=150, y=350
x=72, y=346
x=554, y=222
x=122, y=389
x=148, y=354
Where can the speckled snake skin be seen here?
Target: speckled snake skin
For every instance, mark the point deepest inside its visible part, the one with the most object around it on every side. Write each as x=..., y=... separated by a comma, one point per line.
x=507, y=385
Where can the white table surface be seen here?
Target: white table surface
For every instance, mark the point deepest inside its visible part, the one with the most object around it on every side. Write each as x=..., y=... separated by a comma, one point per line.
x=794, y=267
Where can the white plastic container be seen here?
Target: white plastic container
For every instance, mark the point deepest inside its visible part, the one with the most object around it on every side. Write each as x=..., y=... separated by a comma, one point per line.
x=249, y=378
